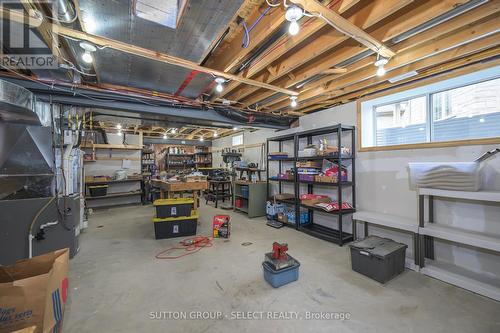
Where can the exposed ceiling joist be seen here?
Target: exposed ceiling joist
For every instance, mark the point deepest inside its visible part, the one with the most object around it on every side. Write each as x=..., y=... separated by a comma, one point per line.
x=138, y=51
x=453, y=69
x=286, y=43
x=424, y=12
x=474, y=51
x=320, y=51
x=344, y=26
x=408, y=46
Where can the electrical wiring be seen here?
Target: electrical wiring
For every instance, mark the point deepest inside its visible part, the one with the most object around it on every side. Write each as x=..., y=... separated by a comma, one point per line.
x=246, y=37
x=272, y=4
x=188, y=246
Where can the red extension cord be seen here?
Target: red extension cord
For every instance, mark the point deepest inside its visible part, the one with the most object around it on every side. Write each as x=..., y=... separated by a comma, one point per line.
x=189, y=245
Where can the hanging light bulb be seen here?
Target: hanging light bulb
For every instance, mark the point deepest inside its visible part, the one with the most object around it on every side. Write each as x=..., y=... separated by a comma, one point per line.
x=87, y=57
x=381, y=71
x=119, y=126
x=292, y=15
x=119, y=133
x=293, y=102
x=165, y=137
x=380, y=63
x=174, y=130
x=293, y=28
x=201, y=139
x=219, y=80
x=89, y=49
x=216, y=134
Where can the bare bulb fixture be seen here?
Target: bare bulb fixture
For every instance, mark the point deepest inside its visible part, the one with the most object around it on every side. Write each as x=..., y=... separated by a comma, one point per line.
x=292, y=15
x=119, y=126
x=119, y=133
x=293, y=101
x=381, y=71
x=87, y=57
x=235, y=128
x=174, y=130
x=293, y=28
x=89, y=49
x=380, y=63
x=216, y=134
x=201, y=139
x=219, y=80
x=165, y=137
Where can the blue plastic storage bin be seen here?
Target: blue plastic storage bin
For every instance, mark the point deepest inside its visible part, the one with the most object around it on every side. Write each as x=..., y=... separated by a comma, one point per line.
x=244, y=191
x=281, y=277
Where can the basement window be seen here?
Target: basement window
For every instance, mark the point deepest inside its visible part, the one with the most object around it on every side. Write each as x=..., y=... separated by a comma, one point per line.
x=460, y=111
x=238, y=140
x=164, y=12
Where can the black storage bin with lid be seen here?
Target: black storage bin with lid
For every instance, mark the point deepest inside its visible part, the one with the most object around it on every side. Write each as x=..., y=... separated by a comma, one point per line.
x=378, y=258
x=173, y=207
x=98, y=190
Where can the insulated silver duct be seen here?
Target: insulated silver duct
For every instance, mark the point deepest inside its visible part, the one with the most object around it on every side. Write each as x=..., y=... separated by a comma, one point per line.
x=17, y=104
x=66, y=12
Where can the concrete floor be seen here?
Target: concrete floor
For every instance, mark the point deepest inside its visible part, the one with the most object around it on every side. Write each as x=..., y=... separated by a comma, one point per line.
x=115, y=284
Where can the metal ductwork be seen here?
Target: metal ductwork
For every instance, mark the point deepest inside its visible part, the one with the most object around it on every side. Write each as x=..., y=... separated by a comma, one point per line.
x=17, y=104
x=152, y=108
x=66, y=11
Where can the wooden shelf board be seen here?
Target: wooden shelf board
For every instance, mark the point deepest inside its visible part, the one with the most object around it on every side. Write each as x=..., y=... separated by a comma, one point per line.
x=114, y=195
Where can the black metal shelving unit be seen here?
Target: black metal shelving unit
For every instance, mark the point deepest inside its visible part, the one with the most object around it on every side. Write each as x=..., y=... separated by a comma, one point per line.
x=338, y=236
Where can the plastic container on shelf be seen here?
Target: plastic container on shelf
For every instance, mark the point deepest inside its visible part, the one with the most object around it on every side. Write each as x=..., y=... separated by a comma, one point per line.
x=244, y=191
x=459, y=176
x=98, y=190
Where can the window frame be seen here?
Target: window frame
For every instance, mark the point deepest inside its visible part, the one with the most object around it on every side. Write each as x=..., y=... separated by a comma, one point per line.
x=399, y=100
x=242, y=140
x=429, y=123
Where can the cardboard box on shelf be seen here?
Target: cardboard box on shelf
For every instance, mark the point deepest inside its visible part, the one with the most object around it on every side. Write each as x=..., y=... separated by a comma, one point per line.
x=312, y=199
x=325, y=179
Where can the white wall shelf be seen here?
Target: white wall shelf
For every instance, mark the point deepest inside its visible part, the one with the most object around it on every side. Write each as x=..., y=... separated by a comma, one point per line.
x=493, y=196
x=462, y=236
x=483, y=284
x=391, y=221
x=478, y=283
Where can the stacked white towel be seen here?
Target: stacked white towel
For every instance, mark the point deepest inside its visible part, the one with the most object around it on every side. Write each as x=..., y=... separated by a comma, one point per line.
x=446, y=176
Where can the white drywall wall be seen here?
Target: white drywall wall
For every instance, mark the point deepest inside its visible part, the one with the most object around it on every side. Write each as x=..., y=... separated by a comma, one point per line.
x=383, y=186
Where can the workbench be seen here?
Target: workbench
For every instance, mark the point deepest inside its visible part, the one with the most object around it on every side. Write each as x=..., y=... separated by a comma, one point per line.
x=168, y=189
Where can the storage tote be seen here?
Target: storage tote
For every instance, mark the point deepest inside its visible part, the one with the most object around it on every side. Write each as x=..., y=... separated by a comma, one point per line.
x=378, y=258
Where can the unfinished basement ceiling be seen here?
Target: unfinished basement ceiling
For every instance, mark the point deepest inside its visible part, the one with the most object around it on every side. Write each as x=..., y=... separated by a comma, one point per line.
x=201, y=23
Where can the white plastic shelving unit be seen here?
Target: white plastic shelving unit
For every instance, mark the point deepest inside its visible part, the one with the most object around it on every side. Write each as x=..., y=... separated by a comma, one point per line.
x=479, y=283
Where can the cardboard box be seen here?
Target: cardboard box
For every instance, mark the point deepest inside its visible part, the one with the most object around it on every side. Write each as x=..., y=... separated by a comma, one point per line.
x=325, y=179
x=308, y=164
x=282, y=217
x=33, y=292
x=312, y=202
